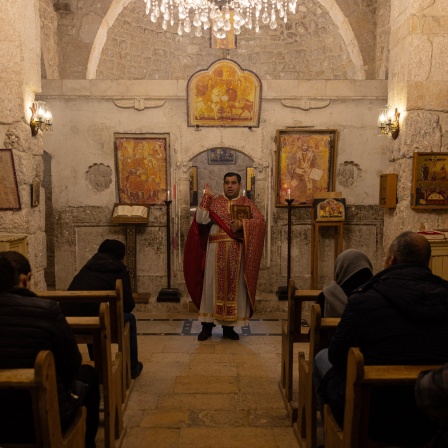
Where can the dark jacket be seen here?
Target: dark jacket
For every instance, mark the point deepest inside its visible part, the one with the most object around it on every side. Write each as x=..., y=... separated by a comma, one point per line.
x=431, y=394
x=27, y=326
x=398, y=317
x=100, y=273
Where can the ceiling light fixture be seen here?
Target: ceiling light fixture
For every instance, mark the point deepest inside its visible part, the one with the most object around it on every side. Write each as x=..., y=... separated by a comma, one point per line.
x=221, y=16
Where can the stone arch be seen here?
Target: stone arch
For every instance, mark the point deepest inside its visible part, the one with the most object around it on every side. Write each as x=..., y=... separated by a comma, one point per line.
x=212, y=173
x=332, y=7
x=238, y=149
x=100, y=39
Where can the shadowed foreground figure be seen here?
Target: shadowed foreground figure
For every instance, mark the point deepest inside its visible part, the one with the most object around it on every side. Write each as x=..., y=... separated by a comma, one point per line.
x=431, y=393
x=27, y=326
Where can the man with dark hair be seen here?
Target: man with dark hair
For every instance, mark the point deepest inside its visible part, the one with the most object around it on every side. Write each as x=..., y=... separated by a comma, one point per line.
x=398, y=317
x=100, y=273
x=27, y=326
x=222, y=258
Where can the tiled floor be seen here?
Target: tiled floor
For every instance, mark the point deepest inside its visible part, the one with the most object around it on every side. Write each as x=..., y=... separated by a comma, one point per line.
x=217, y=393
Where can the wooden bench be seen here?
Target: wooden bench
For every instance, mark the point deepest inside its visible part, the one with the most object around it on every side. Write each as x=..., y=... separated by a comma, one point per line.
x=120, y=333
x=40, y=382
x=292, y=333
x=321, y=330
x=360, y=380
x=96, y=331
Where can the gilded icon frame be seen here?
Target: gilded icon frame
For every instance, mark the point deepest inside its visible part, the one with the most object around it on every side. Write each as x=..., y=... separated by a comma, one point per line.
x=142, y=162
x=429, y=188
x=224, y=95
x=305, y=164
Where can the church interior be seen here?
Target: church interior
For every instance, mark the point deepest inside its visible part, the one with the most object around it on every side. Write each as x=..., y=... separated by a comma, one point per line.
x=115, y=79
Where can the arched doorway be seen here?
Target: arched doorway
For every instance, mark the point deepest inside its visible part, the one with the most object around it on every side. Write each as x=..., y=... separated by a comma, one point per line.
x=210, y=167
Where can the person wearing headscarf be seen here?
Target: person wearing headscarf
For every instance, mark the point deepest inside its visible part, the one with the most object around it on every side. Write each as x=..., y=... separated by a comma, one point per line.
x=352, y=269
x=100, y=273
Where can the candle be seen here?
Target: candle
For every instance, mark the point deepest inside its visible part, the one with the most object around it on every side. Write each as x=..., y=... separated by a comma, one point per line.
x=244, y=192
x=203, y=191
x=289, y=193
x=168, y=195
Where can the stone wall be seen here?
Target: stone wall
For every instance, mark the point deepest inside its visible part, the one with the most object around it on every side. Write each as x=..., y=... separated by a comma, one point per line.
x=418, y=87
x=19, y=80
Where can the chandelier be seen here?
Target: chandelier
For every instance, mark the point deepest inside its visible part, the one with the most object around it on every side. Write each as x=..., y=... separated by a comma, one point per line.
x=221, y=16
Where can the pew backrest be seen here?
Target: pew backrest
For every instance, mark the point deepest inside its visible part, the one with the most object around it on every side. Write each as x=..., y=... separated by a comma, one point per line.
x=96, y=331
x=321, y=330
x=115, y=299
x=360, y=380
x=41, y=384
x=296, y=300
x=119, y=332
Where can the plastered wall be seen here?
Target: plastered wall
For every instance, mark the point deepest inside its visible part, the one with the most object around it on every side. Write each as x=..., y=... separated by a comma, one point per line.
x=83, y=172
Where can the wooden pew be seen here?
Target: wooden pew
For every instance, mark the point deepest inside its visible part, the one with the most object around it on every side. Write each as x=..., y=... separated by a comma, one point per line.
x=120, y=333
x=360, y=379
x=40, y=382
x=292, y=333
x=321, y=330
x=96, y=331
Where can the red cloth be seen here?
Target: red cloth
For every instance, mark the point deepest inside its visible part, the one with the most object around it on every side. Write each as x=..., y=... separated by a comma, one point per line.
x=196, y=245
x=194, y=260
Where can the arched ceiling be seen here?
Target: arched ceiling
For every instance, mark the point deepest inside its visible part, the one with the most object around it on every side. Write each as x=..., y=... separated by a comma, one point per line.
x=317, y=43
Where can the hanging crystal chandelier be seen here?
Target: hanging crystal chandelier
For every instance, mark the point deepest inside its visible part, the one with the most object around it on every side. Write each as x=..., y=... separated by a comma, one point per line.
x=223, y=16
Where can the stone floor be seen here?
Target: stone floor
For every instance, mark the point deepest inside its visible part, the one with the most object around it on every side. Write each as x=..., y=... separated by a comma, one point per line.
x=217, y=393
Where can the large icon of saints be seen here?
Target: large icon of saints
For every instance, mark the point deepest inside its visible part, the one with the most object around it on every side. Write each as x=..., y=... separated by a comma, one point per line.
x=224, y=95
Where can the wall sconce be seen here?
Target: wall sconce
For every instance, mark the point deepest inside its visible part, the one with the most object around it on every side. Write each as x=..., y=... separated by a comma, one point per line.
x=389, y=122
x=41, y=117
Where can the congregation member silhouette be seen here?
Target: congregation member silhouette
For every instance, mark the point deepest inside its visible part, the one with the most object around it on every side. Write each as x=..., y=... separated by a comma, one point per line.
x=431, y=393
x=100, y=273
x=28, y=325
x=397, y=317
x=222, y=258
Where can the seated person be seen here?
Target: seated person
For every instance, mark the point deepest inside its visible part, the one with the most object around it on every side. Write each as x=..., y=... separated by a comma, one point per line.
x=27, y=326
x=100, y=273
x=396, y=318
x=431, y=394
x=352, y=269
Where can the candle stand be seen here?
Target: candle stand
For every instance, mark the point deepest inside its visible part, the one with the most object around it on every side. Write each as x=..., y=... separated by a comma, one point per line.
x=168, y=294
x=282, y=291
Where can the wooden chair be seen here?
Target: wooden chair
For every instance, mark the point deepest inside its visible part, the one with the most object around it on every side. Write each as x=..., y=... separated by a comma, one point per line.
x=40, y=382
x=321, y=330
x=360, y=380
x=292, y=333
x=120, y=333
x=96, y=331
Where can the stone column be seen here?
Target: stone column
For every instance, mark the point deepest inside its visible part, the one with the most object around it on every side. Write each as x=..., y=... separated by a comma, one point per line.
x=20, y=79
x=418, y=87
